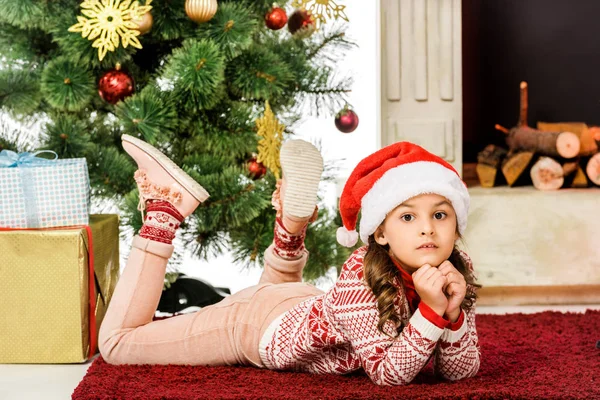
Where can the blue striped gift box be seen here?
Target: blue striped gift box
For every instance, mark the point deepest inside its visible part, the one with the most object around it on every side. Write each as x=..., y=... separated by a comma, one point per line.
x=42, y=193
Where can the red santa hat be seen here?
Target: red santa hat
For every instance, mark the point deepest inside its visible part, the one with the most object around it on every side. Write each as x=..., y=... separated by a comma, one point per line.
x=389, y=177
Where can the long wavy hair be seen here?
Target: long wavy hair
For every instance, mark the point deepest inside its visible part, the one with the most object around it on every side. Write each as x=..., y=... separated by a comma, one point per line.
x=380, y=272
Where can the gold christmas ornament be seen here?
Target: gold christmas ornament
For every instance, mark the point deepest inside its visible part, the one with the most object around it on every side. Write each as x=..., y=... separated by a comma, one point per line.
x=200, y=11
x=109, y=21
x=320, y=8
x=271, y=133
x=144, y=24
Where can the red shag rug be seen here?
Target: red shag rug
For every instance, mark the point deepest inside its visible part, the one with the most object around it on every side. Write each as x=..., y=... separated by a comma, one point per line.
x=547, y=355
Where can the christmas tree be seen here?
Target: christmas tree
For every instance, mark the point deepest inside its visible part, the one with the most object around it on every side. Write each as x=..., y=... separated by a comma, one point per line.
x=212, y=86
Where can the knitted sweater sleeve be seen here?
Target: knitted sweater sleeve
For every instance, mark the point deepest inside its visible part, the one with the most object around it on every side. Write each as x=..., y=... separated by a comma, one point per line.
x=457, y=354
x=386, y=360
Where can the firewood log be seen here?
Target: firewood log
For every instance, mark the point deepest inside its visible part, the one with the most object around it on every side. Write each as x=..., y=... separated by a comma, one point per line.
x=579, y=179
x=514, y=165
x=569, y=168
x=595, y=134
x=553, y=144
x=547, y=174
x=523, y=137
x=573, y=175
x=592, y=169
x=584, y=133
x=488, y=163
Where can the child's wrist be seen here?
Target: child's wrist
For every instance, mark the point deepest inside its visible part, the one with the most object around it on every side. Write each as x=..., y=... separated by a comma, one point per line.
x=437, y=310
x=453, y=316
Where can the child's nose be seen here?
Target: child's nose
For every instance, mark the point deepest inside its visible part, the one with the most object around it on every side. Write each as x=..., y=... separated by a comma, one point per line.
x=427, y=229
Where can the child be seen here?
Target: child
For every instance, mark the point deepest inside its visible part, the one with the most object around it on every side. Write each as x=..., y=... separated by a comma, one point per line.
x=405, y=297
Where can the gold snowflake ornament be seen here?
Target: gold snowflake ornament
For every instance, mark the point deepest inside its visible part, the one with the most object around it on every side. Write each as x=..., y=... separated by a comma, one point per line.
x=271, y=133
x=110, y=21
x=319, y=8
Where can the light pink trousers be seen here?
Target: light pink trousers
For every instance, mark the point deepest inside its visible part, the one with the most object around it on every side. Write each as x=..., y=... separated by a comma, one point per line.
x=226, y=333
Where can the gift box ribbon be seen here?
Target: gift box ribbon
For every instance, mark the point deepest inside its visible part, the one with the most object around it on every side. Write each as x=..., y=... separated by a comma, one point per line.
x=91, y=279
x=23, y=161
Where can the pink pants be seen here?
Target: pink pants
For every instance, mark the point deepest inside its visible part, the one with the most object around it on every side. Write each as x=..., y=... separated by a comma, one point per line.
x=226, y=333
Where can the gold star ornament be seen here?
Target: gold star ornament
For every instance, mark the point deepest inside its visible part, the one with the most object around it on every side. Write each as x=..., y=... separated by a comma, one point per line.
x=271, y=133
x=321, y=8
x=110, y=22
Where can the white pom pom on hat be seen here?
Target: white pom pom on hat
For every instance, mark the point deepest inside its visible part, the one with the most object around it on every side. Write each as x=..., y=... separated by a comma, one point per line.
x=345, y=237
x=389, y=177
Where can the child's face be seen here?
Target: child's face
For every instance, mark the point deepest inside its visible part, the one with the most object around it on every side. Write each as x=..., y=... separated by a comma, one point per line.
x=427, y=218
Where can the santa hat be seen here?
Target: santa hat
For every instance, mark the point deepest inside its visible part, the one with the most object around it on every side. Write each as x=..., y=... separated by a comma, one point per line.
x=389, y=177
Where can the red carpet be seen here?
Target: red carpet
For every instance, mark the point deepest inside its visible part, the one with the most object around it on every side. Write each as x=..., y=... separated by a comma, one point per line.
x=548, y=355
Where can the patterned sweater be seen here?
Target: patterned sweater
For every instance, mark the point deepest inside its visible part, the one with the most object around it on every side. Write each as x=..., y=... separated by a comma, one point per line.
x=337, y=333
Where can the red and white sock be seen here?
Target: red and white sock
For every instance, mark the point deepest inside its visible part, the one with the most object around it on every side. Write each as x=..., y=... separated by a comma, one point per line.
x=288, y=246
x=161, y=221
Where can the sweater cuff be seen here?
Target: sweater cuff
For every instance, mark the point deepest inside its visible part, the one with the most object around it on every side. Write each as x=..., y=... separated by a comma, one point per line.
x=426, y=328
x=453, y=336
x=432, y=316
x=454, y=326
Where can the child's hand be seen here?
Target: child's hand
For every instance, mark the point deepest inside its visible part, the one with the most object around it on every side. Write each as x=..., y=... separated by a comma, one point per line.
x=429, y=283
x=455, y=289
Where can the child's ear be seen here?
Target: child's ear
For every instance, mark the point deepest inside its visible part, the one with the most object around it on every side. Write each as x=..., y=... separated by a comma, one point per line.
x=380, y=237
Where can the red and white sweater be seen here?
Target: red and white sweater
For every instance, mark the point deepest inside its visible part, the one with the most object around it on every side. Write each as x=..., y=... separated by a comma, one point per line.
x=336, y=332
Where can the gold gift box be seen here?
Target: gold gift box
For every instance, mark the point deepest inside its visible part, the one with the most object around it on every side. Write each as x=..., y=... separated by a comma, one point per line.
x=45, y=308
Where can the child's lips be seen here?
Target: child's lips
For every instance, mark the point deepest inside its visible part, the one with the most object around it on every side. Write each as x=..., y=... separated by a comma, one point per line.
x=427, y=246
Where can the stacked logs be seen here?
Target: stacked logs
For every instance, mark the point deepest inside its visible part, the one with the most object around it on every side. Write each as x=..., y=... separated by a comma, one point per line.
x=555, y=154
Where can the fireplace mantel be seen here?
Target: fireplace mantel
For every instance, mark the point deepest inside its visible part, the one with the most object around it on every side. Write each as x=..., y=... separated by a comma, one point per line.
x=535, y=247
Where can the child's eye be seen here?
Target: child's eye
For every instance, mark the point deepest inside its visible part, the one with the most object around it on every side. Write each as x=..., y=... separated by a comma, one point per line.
x=439, y=215
x=407, y=217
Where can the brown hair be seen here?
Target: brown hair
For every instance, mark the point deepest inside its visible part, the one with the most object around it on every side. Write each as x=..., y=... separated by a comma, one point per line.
x=380, y=272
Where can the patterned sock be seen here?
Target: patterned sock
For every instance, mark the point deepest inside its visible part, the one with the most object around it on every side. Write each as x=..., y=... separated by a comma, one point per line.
x=161, y=221
x=288, y=246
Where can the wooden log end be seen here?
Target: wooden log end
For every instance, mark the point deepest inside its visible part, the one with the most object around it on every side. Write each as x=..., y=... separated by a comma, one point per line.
x=486, y=174
x=592, y=169
x=515, y=164
x=568, y=144
x=547, y=174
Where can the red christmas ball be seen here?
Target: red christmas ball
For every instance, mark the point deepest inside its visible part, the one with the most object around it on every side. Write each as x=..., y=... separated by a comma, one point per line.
x=257, y=169
x=115, y=85
x=276, y=18
x=301, y=23
x=346, y=120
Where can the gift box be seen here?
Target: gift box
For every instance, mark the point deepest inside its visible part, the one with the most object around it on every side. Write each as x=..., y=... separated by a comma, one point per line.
x=39, y=193
x=55, y=287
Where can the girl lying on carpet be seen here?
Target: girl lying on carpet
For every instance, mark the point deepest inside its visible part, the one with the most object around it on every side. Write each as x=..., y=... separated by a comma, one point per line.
x=405, y=297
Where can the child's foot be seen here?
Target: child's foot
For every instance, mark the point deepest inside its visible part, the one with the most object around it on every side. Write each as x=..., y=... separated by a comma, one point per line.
x=161, y=181
x=302, y=166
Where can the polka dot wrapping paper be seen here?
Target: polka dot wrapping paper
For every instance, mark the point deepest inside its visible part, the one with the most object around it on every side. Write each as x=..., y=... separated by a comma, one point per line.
x=51, y=305
x=52, y=194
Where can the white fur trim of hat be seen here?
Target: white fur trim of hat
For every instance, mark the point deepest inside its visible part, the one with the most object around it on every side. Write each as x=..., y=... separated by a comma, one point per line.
x=391, y=176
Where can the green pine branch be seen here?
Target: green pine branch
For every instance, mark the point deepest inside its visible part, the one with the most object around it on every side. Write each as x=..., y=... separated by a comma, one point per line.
x=198, y=90
x=19, y=91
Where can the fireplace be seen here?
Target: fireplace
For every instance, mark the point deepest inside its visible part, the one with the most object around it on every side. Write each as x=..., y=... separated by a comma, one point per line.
x=450, y=71
x=550, y=47
x=551, y=44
